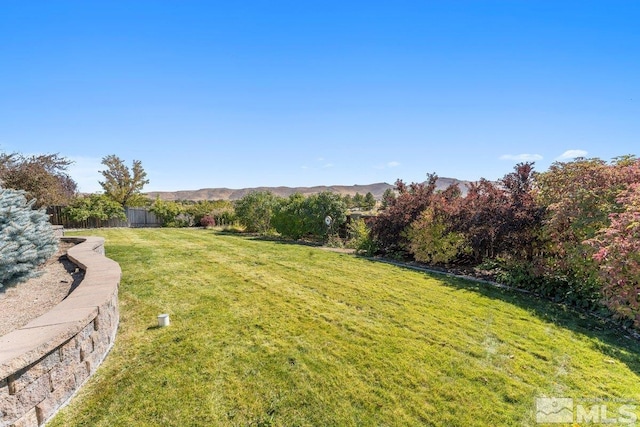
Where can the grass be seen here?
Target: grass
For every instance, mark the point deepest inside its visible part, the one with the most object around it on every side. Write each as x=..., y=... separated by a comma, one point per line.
x=265, y=333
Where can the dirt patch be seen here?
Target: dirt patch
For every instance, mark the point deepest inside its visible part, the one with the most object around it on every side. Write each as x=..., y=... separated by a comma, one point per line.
x=21, y=303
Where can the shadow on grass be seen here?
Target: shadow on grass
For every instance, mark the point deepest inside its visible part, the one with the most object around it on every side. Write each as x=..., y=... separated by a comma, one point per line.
x=282, y=240
x=272, y=239
x=615, y=342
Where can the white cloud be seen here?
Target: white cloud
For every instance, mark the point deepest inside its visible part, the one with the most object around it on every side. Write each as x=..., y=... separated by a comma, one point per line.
x=392, y=164
x=572, y=154
x=319, y=165
x=522, y=157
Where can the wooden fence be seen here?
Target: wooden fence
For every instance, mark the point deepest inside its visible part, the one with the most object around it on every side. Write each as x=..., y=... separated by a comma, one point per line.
x=136, y=217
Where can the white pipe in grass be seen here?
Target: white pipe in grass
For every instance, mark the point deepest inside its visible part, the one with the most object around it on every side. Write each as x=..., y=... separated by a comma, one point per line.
x=163, y=320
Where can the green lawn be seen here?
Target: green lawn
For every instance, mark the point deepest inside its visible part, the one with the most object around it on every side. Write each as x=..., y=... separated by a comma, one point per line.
x=265, y=333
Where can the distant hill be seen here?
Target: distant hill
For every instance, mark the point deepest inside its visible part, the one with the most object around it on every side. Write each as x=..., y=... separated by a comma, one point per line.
x=377, y=190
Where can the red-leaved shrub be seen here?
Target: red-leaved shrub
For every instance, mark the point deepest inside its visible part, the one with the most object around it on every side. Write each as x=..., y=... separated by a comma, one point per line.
x=207, y=221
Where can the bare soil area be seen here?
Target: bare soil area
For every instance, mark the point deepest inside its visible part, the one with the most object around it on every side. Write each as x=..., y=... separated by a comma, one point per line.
x=25, y=301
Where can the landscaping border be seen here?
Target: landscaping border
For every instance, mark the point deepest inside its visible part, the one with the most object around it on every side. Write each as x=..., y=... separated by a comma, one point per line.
x=44, y=363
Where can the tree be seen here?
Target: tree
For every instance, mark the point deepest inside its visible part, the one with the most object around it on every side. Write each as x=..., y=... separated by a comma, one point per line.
x=26, y=237
x=43, y=177
x=358, y=200
x=387, y=198
x=255, y=210
x=481, y=219
x=387, y=229
x=348, y=201
x=523, y=215
x=318, y=207
x=289, y=217
x=121, y=184
x=369, y=201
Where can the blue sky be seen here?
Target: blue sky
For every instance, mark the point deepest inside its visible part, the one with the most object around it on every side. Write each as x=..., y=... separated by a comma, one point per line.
x=300, y=93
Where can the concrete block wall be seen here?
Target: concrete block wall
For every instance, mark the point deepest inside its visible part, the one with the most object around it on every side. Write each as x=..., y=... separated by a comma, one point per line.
x=45, y=362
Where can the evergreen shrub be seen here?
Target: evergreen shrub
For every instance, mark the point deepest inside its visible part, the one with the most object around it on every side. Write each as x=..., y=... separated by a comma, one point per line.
x=27, y=238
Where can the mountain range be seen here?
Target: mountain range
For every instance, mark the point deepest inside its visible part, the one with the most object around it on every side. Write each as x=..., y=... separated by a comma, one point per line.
x=376, y=189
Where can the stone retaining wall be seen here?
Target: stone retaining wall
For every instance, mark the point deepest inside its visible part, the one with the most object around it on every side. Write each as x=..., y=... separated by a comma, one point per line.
x=45, y=362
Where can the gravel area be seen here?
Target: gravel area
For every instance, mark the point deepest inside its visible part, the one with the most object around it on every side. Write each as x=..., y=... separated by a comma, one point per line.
x=25, y=301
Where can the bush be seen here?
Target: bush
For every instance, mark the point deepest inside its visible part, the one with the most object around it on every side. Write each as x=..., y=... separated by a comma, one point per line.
x=299, y=216
x=618, y=258
x=220, y=210
x=388, y=228
x=95, y=206
x=580, y=292
x=431, y=242
x=26, y=237
x=207, y=221
x=334, y=241
x=167, y=212
x=360, y=239
x=255, y=210
x=289, y=217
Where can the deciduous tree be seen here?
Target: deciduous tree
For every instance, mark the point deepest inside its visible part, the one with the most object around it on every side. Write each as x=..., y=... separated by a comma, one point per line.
x=43, y=177
x=387, y=198
x=122, y=184
x=523, y=215
x=481, y=219
x=387, y=229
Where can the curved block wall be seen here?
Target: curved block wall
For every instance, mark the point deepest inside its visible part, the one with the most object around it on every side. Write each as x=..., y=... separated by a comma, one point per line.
x=45, y=362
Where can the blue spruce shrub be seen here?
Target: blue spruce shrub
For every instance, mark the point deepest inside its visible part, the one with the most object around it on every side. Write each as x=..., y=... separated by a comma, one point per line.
x=27, y=238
